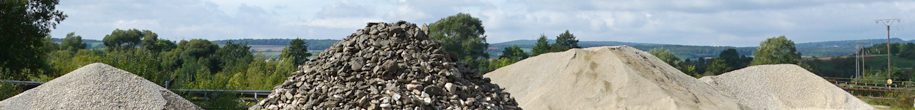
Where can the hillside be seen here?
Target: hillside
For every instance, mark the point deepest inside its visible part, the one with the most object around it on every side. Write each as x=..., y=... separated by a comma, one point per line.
x=807, y=49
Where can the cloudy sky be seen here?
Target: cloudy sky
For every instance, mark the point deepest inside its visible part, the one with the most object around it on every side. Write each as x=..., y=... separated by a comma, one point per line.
x=689, y=22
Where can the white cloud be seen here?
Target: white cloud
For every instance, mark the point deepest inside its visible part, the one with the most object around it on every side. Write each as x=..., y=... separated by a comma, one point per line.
x=691, y=22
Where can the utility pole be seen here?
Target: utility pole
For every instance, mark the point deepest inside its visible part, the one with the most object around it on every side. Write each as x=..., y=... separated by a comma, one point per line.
x=889, y=67
x=859, y=57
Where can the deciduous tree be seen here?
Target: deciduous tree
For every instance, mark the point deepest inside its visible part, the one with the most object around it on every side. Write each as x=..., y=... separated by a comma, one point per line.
x=24, y=25
x=72, y=42
x=776, y=50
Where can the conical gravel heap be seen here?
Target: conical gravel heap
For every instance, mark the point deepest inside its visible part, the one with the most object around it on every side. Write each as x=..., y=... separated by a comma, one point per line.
x=387, y=66
x=606, y=78
x=98, y=86
x=783, y=86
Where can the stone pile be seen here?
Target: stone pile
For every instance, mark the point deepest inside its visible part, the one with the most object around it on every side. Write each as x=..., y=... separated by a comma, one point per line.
x=387, y=66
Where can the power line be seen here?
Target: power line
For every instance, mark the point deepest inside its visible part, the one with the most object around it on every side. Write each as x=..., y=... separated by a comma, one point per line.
x=889, y=66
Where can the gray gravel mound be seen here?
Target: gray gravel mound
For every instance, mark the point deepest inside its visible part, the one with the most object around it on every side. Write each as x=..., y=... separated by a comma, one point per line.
x=97, y=86
x=783, y=86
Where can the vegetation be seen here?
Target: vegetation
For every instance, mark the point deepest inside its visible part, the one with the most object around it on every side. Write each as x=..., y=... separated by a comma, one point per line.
x=25, y=25
x=564, y=41
x=297, y=52
x=462, y=34
x=777, y=50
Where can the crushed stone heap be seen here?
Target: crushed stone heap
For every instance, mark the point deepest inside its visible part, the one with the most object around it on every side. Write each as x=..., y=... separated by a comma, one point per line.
x=783, y=86
x=606, y=78
x=387, y=66
x=98, y=86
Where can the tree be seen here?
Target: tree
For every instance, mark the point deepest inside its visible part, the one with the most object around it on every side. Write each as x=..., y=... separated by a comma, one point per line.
x=666, y=56
x=717, y=67
x=565, y=41
x=297, y=52
x=72, y=42
x=150, y=39
x=122, y=39
x=513, y=52
x=730, y=57
x=198, y=48
x=24, y=24
x=233, y=55
x=461, y=34
x=776, y=50
x=542, y=46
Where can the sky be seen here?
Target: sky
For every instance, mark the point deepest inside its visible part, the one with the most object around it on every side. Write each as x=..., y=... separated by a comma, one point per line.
x=686, y=22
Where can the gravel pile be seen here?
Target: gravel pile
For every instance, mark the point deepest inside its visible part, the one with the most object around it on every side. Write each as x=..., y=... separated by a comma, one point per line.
x=97, y=86
x=387, y=66
x=783, y=86
x=606, y=78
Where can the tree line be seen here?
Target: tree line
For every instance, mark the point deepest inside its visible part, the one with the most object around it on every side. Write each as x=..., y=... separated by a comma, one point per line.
x=775, y=50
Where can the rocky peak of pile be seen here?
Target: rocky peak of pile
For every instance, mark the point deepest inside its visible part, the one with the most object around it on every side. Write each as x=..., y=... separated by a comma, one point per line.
x=387, y=66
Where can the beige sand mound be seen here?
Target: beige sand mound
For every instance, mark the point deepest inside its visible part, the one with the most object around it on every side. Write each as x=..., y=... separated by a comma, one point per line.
x=605, y=78
x=783, y=86
x=97, y=86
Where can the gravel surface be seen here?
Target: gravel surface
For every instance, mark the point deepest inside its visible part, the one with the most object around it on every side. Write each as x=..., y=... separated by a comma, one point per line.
x=97, y=86
x=387, y=66
x=606, y=78
x=783, y=86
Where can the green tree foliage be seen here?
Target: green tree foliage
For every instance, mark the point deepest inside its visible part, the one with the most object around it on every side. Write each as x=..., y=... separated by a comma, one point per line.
x=717, y=67
x=733, y=59
x=690, y=70
x=565, y=41
x=461, y=34
x=261, y=75
x=149, y=40
x=776, y=50
x=9, y=90
x=513, y=52
x=666, y=56
x=65, y=61
x=542, y=46
x=234, y=55
x=72, y=42
x=24, y=26
x=497, y=63
x=197, y=48
x=297, y=52
x=122, y=39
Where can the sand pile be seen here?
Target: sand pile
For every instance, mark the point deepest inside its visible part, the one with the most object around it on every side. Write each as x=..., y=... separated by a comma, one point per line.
x=97, y=86
x=605, y=78
x=783, y=86
x=387, y=66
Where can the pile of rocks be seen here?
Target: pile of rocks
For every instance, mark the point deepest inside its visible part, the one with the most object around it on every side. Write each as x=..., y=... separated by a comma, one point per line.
x=387, y=66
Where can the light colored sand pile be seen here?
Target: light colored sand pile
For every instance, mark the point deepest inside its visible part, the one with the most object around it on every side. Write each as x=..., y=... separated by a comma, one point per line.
x=97, y=86
x=783, y=86
x=605, y=78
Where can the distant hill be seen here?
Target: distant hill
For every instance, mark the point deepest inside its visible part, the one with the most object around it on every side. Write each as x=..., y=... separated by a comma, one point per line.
x=819, y=49
x=530, y=43
x=92, y=43
x=313, y=44
x=807, y=49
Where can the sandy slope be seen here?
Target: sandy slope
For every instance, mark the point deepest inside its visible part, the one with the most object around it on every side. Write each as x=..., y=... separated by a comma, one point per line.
x=604, y=78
